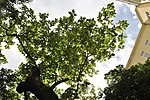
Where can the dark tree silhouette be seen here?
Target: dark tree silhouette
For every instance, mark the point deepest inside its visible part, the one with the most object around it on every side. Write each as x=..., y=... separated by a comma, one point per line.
x=131, y=84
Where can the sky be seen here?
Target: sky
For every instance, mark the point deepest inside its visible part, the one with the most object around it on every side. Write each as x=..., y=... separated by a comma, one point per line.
x=89, y=9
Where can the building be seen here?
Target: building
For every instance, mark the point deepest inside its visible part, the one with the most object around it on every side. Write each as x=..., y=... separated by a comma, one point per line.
x=141, y=49
x=133, y=2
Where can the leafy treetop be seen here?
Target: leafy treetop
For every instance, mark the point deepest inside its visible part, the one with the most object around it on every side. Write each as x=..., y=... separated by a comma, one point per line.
x=63, y=47
x=132, y=84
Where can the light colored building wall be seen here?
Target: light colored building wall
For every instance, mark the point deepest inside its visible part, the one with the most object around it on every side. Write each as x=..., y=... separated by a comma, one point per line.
x=141, y=50
x=140, y=46
x=141, y=12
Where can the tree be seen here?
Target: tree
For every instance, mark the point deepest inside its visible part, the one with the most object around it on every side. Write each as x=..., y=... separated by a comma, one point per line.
x=59, y=50
x=131, y=84
x=7, y=80
x=7, y=4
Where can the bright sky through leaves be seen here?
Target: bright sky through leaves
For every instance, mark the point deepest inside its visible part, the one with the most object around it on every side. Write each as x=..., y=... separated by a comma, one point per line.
x=89, y=9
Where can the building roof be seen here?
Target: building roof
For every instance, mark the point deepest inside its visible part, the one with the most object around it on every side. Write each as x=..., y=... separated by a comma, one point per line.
x=134, y=2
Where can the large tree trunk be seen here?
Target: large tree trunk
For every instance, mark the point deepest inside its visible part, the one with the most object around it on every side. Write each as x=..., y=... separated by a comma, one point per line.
x=33, y=82
x=40, y=90
x=35, y=86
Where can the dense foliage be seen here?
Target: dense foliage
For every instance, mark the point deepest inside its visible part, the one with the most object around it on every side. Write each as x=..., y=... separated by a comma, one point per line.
x=7, y=82
x=6, y=5
x=131, y=84
x=65, y=47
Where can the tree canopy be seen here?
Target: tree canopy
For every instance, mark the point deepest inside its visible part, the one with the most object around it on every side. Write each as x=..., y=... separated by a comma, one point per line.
x=7, y=79
x=6, y=5
x=63, y=48
x=131, y=84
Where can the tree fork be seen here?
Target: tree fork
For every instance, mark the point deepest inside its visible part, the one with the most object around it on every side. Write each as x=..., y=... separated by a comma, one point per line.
x=35, y=86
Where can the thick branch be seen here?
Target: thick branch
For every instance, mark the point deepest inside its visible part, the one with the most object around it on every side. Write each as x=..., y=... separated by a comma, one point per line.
x=35, y=86
x=56, y=83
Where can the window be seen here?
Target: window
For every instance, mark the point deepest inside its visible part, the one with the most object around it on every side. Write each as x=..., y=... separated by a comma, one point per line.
x=147, y=42
x=148, y=14
x=145, y=0
x=145, y=54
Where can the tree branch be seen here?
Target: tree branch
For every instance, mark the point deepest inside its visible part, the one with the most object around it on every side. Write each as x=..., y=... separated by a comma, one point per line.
x=25, y=50
x=15, y=35
x=25, y=95
x=79, y=76
x=6, y=29
x=56, y=83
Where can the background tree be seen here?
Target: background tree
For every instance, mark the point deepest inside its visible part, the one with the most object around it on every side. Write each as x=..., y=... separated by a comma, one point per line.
x=6, y=5
x=63, y=48
x=7, y=82
x=131, y=84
